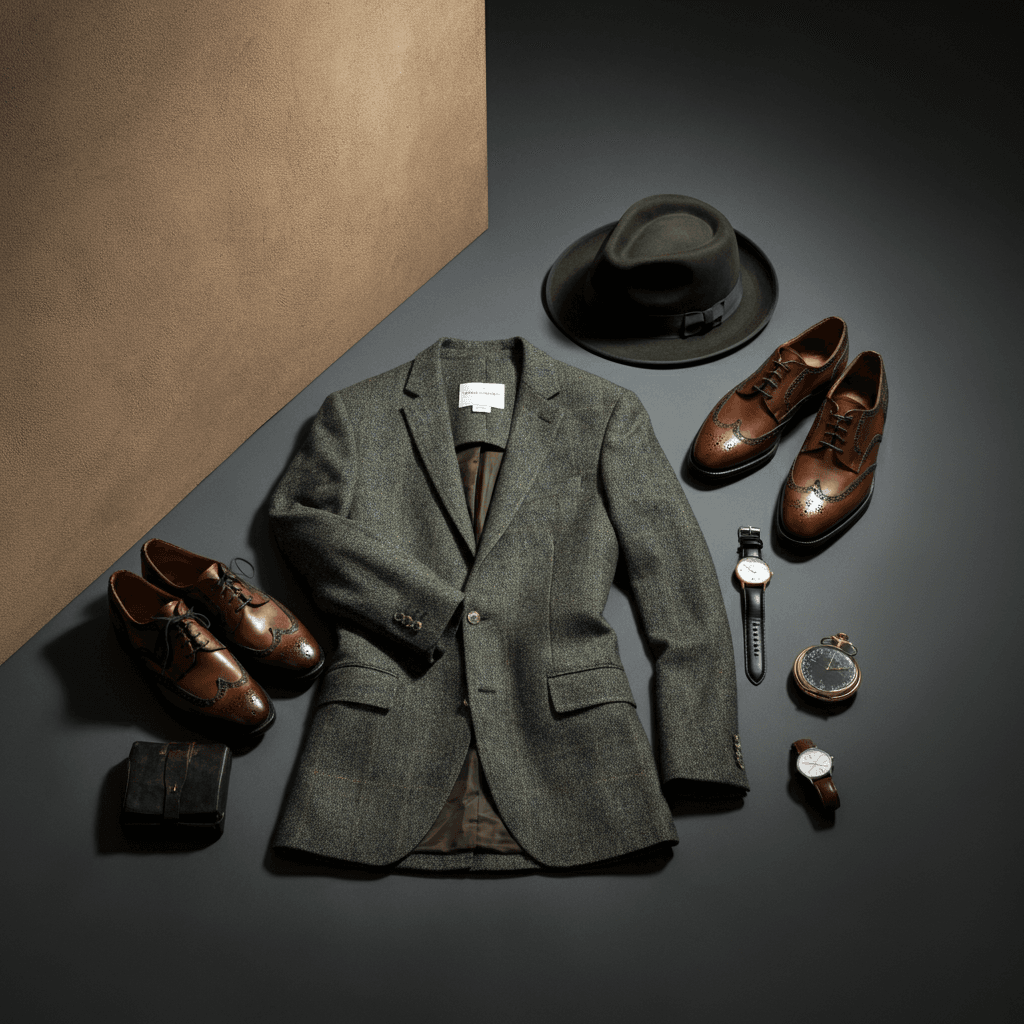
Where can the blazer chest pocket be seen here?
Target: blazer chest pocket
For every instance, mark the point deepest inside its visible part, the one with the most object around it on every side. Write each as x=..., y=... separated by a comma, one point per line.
x=575, y=691
x=551, y=498
x=358, y=684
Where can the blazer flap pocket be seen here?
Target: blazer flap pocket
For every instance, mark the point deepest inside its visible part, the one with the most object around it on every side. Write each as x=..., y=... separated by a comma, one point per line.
x=573, y=691
x=358, y=684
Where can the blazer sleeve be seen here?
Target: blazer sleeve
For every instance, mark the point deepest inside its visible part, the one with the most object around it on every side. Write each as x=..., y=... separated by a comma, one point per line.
x=676, y=589
x=353, y=571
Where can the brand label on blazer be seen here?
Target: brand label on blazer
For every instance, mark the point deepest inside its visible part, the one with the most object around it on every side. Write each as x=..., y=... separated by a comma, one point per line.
x=482, y=397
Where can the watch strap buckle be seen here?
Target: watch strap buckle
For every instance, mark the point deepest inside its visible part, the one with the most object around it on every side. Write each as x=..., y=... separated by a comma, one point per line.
x=749, y=537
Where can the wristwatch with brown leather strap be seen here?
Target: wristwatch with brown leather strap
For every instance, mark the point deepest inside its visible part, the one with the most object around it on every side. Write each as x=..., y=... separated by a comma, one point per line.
x=816, y=766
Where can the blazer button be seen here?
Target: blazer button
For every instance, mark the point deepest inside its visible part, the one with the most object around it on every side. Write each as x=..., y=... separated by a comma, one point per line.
x=473, y=617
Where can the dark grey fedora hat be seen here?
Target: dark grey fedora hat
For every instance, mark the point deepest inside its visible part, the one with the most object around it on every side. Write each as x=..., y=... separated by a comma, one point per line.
x=670, y=284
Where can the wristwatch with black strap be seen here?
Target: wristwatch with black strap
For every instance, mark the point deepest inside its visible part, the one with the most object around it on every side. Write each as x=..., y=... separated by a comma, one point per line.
x=754, y=575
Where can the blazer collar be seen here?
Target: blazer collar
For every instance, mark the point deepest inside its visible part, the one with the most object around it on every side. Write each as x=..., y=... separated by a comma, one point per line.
x=535, y=419
x=539, y=373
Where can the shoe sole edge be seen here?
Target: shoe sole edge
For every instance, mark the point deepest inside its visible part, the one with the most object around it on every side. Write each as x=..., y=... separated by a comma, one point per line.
x=844, y=524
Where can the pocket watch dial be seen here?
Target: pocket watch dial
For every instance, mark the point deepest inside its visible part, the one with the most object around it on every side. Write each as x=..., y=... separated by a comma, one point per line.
x=814, y=763
x=827, y=669
x=753, y=570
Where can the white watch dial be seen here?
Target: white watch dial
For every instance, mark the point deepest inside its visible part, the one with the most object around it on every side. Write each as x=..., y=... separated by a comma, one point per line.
x=753, y=570
x=814, y=763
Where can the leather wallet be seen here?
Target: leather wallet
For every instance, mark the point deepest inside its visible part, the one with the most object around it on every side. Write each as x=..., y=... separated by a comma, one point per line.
x=177, y=786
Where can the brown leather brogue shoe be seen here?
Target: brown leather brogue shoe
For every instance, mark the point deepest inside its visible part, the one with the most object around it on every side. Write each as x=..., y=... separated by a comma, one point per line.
x=257, y=628
x=833, y=477
x=171, y=643
x=744, y=429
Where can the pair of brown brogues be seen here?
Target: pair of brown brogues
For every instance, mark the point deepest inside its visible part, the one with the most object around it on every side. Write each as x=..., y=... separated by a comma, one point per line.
x=833, y=477
x=172, y=621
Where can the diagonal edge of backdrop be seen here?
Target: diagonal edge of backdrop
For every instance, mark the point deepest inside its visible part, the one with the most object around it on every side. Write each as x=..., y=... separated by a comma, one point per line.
x=206, y=205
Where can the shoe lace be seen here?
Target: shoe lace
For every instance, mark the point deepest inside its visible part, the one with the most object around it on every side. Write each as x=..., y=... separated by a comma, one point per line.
x=772, y=379
x=230, y=581
x=836, y=431
x=181, y=625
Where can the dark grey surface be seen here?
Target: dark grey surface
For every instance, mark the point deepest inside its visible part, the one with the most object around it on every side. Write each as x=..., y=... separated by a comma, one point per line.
x=874, y=152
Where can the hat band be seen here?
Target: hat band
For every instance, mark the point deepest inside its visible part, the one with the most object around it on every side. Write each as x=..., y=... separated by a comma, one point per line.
x=701, y=321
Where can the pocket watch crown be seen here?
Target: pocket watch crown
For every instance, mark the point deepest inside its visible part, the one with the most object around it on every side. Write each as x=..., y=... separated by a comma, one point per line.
x=840, y=641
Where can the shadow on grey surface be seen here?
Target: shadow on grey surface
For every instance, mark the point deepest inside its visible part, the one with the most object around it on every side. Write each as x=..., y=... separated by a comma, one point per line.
x=102, y=685
x=296, y=862
x=801, y=792
x=687, y=797
x=701, y=482
x=818, y=708
x=798, y=556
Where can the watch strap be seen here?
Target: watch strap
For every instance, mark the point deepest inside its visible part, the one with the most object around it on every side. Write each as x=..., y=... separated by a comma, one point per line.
x=750, y=541
x=801, y=745
x=827, y=791
x=753, y=632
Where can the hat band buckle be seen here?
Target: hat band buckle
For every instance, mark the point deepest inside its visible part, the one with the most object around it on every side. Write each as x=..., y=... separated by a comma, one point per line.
x=703, y=320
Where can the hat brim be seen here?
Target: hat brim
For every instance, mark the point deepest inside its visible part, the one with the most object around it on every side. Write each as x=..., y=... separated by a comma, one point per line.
x=563, y=301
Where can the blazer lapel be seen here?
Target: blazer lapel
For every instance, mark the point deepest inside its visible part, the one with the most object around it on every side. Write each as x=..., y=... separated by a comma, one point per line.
x=426, y=414
x=531, y=437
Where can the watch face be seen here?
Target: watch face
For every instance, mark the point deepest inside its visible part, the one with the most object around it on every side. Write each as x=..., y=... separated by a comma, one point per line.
x=814, y=763
x=828, y=670
x=753, y=570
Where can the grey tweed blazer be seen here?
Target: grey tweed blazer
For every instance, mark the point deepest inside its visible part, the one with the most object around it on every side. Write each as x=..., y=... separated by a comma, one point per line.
x=437, y=632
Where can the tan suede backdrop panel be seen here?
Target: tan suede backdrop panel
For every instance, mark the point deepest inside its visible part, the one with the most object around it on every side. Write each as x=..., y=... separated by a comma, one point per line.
x=204, y=205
